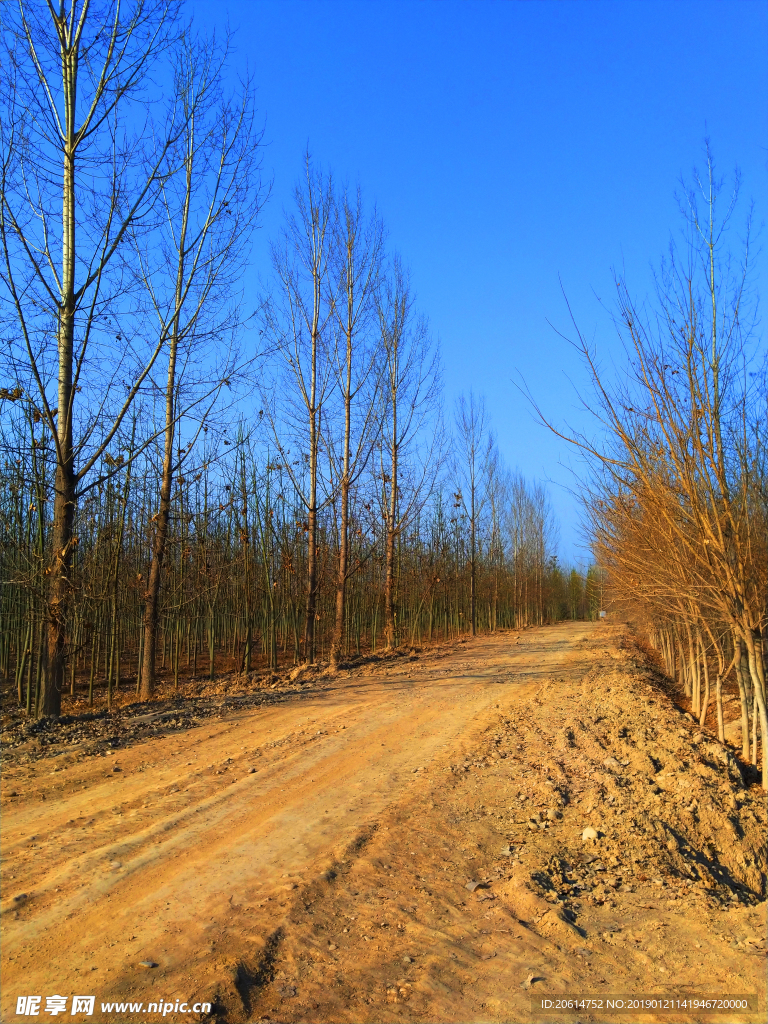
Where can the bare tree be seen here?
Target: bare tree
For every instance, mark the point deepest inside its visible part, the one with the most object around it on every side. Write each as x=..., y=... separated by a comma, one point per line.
x=680, y=458
x=498, y=498
x=75, y=180
x=472, y=469
x=297, y=322
x=358, y=251
x=412, y=446
x=191, y=269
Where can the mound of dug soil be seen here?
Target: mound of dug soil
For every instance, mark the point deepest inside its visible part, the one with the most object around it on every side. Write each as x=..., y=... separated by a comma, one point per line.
x=628, y=790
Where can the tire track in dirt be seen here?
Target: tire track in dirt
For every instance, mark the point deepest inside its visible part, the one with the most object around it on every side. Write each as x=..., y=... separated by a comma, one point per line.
x=191, y=850
x=398, y=936
x=309, y=861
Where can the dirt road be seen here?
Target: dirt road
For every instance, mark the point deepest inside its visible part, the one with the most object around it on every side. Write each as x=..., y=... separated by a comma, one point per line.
x=310, y=860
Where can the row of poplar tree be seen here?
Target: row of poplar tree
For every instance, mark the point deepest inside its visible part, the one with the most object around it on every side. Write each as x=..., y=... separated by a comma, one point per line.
x=678, y=492
x=196, y=471
x=234, y=582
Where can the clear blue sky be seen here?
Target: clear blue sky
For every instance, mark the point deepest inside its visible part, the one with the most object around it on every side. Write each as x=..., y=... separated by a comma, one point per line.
x=510, y=145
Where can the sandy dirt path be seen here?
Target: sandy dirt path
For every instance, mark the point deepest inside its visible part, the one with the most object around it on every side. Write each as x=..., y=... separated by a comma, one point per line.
x=165, y=849
x=296, y=862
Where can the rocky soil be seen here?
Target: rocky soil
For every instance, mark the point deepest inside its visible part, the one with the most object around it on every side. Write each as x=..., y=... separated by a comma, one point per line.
x=605, y=845
x=451, y=838
x=663, y=804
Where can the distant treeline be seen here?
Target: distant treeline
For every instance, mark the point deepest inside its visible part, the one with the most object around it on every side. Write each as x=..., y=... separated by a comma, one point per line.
x=235, y=575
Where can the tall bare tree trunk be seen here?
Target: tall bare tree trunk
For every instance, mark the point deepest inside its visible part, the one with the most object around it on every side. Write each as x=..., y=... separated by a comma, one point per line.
x=391, y=521
x=296, y=320
x=52, y=681
x=473, y=567
x=389, y=591
x=754, y=655
x=412, y=386
x=705, y=670
x=743, y=681
x=358, y=249
x=341, y=579
x=473, y=472
x=311, y=606
x=152, y=593
x=59, y=589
